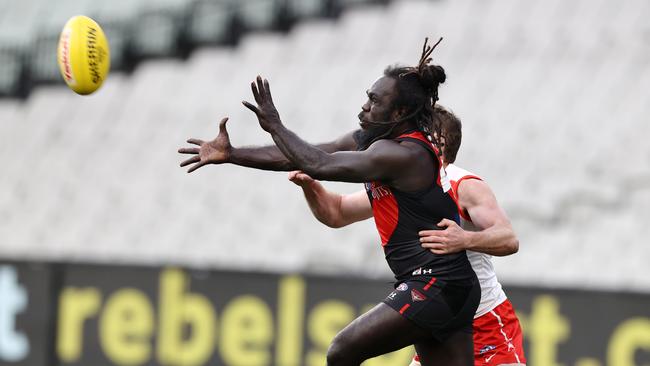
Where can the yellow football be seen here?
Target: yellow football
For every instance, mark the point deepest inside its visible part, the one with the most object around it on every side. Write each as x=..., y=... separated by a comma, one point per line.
x=83, y=55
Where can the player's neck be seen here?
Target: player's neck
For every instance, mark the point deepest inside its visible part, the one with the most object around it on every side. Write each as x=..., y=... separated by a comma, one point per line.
x=402, y=129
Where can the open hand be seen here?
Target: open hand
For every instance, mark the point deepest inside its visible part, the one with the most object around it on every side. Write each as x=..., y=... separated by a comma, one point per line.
x=216, y=151
x=267, y=114
x=452, y=239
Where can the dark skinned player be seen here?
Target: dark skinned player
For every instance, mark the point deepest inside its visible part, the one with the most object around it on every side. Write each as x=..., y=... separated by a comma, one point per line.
x=435, y=296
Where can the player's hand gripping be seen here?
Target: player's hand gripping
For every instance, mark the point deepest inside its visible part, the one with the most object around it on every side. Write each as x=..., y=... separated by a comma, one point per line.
x=300, y=179
x=216, y=151
x=452, y=239
x=267, y=114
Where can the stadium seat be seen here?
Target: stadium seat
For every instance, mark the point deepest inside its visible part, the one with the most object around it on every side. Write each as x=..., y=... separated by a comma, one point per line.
x=42, y=57
x=156, y=32
x=306, y=8
x=258, y=14
x=210, y=21
x=11, y=70
x=347, y=3
x=20, y=21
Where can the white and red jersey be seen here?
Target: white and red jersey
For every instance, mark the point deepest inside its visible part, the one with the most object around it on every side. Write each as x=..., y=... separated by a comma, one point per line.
x=491, y=292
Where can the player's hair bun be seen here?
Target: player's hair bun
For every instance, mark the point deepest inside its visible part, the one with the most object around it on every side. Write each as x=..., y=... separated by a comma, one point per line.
x=439, y=73
x=431, y=76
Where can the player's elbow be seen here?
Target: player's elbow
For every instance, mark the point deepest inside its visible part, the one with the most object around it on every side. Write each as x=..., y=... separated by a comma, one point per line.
x=513, y=245
x=335, y=224
x=509, y=240
x=331, y=222
x=330, y=218
x=337, y=221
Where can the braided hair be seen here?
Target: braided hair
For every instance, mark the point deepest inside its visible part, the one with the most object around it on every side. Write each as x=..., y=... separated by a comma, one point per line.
x=417, y=90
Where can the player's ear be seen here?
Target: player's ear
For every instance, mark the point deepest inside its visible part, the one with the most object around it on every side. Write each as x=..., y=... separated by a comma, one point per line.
x=399, y=113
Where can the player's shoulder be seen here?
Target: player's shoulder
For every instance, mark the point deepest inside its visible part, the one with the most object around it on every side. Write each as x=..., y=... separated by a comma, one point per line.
x=468, y=186
x=403, y=145
x=389, y=152
x=456, y=173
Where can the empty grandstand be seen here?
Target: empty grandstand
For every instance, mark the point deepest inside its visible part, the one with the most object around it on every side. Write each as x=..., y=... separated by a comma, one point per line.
x=549, y=99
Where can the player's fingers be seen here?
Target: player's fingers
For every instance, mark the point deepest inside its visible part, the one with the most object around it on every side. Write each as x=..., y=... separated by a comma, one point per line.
x=191, y=160
x=222, y=125
x=195, y=167
x=251, y=107
x=445, y=223
x=304, y=177
x=195, y=142
x=434, y=246
x=432, y=234
x=292, y=175
x=188, y=150
x=427, y=232
x=256, y=92
x=296, y=182
x=267, y=88
x=450, y=222
x=260, y=87
x=433, y=239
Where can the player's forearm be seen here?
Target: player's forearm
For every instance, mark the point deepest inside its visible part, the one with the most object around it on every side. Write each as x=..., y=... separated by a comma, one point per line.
x=306, y=157
x=324, y=205
x=498, y=240
x=265, y=158
x=271, y=157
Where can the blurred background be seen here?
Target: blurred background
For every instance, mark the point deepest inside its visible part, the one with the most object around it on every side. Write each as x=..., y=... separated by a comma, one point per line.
x=553, y=95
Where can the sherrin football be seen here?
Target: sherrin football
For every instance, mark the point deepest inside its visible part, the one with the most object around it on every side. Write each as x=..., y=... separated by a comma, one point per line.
x=83, y=55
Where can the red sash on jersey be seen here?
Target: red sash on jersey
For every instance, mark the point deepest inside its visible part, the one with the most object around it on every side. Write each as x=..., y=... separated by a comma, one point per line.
x=384, y=205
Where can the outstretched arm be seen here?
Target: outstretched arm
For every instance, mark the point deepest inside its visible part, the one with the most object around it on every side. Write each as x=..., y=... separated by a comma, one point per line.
x=496, y=235
x=219, y=151
x=332, y=209
x=383, y=160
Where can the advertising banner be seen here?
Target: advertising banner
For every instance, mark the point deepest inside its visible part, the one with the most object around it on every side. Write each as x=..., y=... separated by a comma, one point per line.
x=76, y=314
x=26, y=308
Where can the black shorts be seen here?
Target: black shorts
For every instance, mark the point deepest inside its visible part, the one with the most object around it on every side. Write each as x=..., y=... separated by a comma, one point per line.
x=440, y=306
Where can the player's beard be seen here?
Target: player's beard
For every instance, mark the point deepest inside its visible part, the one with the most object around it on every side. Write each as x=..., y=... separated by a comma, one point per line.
x=365, y=138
